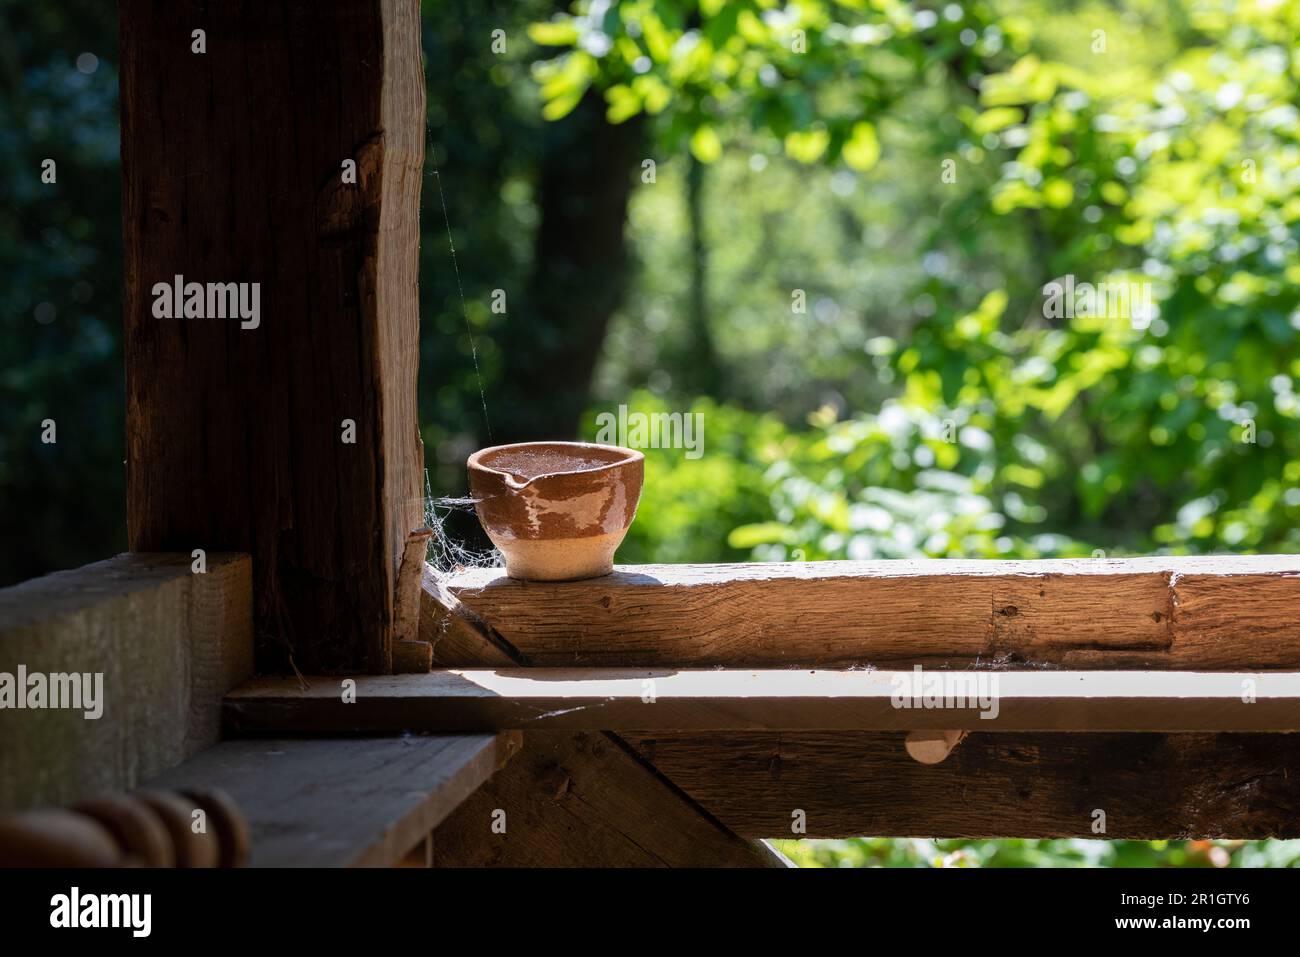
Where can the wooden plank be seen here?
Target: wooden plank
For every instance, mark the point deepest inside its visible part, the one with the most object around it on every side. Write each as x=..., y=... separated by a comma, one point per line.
x=1149, y=786
x=166, y=643
x=293, y=437
x=595, y=699
x=585, y=827
x=583, y=800
x=1211, y=613
x=459, y=638
x=358, y=802
x=1152, y=613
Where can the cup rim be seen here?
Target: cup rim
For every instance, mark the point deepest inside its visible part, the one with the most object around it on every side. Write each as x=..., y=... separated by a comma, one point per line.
x=629, y=457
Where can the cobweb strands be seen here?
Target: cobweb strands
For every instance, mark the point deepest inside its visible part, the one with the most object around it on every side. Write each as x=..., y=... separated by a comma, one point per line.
x=446, y=554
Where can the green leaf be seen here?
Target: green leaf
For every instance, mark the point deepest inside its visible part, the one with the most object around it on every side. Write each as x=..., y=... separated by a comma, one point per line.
x=623, y=103
x=1058, y=193
x=862, y=150
x=998, y=118
x=560, y=33
x=807, y=146
x=566, y=80
x=760, y=533
x=562, y=105
x=705, y=144
x=658, y=41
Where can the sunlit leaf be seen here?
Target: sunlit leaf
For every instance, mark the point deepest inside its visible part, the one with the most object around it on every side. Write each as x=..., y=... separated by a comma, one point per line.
x=705, y=144
x=807, y=146
x=553, y=33
x=862, y=150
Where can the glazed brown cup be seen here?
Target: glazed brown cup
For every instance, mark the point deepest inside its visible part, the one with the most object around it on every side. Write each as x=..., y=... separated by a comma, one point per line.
x=556, y=510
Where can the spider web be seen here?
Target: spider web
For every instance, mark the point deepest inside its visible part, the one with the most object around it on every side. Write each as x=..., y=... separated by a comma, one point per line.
x=446, y=554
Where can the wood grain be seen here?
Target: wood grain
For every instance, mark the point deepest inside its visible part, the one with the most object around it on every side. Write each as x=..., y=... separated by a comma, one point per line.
x=582, y=800
x=1149, y=786
x=459, y=637
x=596, y=699
x=231, y=164
x=362, y=802
x=611, y=818
x=409, y=595
x=1200, y=613
x=1158, y=613
x=169, y=644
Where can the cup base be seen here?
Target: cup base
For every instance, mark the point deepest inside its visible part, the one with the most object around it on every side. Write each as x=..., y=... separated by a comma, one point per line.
x=561, y=559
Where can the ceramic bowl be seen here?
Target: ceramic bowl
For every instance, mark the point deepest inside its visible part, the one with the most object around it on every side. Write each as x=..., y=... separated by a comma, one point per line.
x=556, y=510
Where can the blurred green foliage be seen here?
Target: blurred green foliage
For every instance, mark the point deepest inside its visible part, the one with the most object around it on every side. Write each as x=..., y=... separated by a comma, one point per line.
x=61, y=504
x=1006, y=430
x=880, y=852
x=814, y=75
x=1153, y=145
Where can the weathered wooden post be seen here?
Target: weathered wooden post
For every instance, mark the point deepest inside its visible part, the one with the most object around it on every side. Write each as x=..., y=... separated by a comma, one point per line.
x=272, y=157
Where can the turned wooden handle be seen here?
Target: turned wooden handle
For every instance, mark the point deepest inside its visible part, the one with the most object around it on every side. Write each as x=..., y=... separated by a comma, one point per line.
x=138, y=830
x=147, y=828
x=193, y=848
x=56, y=837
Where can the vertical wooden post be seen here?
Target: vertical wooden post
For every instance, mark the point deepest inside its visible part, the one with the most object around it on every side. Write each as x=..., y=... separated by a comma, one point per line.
x=235, y=143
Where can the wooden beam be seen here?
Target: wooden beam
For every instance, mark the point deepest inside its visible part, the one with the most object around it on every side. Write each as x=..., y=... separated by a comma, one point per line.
x=610, y=818
x=483, y=699
x=1208, y=614
x=359, y=802
x=458, y=637
x=1028, y=785
x=166, y=643
x=582, y=800
x=292, y=434
x=1159, y=613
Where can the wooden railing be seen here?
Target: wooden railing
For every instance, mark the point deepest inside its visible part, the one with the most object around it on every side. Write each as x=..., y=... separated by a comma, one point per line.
x=1137, y=698
x=1193, y=613
x=1147, y=698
